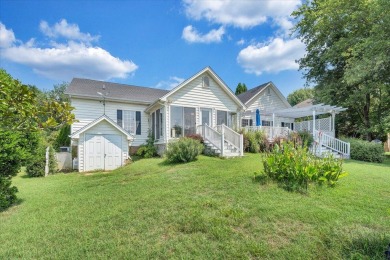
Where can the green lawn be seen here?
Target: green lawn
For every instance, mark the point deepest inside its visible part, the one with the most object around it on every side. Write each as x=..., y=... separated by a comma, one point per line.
x=210, y=208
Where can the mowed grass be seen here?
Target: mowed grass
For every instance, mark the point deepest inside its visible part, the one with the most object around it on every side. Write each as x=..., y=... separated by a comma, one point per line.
x=210, y=208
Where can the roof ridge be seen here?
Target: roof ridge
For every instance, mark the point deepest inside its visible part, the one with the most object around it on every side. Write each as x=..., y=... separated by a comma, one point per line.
x=122, y=84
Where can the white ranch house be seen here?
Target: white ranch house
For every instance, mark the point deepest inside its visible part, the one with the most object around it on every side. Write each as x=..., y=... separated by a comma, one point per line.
x=113, y=120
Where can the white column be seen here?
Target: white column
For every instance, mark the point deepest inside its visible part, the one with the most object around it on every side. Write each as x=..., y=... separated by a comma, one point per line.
x=314, y=122
x=273, y=125
x=333, y=124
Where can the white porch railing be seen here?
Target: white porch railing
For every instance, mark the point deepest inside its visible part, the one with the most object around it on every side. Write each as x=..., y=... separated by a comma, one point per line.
x=234, y=138
x=211, y=135
x=332, y=143
x=324, y=125
x=220, y=135
x=270, y=131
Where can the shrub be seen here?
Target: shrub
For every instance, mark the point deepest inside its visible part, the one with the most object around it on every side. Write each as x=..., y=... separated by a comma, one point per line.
x=184, y=150
x=36, y=167
x=254, y=141
x=306, y=138
x=295, y=167
x=365, y=151
x=147, y=150
x=10, y=163
x=196, y=137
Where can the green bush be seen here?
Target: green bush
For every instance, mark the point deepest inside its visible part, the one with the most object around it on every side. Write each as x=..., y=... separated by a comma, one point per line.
x=365, y=151
x=147, y=150
x=10, y=163
x=36, y=167
x=306, y=138
x=254, y=141
x=294, y=168
x=184, y=150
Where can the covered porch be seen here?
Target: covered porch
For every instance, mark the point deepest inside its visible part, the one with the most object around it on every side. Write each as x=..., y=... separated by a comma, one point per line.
x=322, y=129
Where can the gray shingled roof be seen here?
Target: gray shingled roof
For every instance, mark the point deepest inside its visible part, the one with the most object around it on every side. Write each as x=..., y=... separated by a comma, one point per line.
x=246, y=96
x=305, y=103
x=89, y=88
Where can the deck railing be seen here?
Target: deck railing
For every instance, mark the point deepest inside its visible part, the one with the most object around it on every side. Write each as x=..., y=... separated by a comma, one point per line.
x=270, y=131
x=332, y=143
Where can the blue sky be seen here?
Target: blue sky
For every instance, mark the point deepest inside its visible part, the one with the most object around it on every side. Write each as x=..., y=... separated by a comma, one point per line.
x=150, y=43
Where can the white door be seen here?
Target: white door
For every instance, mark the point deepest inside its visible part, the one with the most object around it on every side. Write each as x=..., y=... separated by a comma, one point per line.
x=102, y=152
x=113, y=152
x=206, y=116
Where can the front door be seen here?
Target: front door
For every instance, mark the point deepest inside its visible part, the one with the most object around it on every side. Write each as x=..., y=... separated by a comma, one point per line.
x=206, y=116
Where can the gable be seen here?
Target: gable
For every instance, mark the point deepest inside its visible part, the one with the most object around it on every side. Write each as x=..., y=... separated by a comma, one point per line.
x=268, y=99
x=194, y=94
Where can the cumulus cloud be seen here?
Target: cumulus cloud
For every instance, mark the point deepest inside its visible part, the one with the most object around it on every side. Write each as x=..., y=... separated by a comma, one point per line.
x=7, y=37
x=68, y=31
x=277, y=55
x=63, y=61
x=241, y=14
x=191, y=35
x=169, y=84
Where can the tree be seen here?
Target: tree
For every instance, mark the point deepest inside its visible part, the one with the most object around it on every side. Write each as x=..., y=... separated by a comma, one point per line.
x=348, y=60
x=299, y=95
x=241, y=88
x=24, y=112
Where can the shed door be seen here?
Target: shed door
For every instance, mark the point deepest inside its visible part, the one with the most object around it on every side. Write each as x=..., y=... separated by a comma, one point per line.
x=103, y=152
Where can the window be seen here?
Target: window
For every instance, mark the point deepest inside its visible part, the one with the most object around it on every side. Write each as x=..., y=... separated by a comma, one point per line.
x=246, y=122
x=266, y=123
x=183, y=121
x=205, y=82
x=222, y=117
x=289, y=125
x=130, y=121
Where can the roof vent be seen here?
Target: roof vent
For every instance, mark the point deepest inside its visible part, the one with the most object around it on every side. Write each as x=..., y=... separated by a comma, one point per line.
x=206, y=82
x=269, y=91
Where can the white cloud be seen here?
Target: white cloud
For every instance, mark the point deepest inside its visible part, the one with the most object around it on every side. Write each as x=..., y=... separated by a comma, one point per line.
x=7, y=37
x=191, y=35
x=242, y=14
x=63, y=61
x=240, y=42
x=68, y=31
x=169, y=84
x=277, y=55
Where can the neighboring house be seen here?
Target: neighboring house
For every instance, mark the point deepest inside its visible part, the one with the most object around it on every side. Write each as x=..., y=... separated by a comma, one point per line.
x=115, y=119
x=267, y=99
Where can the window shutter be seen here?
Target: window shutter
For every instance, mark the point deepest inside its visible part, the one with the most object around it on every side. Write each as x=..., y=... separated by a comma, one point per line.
x=250, y=122
x=292, y=126
x=119, y=117
x=138, y=122
x=282, y=124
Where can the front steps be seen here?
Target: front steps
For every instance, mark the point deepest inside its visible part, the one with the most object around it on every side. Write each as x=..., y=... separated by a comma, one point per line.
x=228, y=152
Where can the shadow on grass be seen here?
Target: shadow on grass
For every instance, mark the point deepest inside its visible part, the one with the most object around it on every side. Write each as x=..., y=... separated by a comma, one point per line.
x=15, y=204
x=369, y=246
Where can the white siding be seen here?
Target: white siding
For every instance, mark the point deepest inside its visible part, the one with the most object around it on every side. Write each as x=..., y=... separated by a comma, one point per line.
x=87, y=110
x=101, y=128
x=193, y=94
x=266, y=102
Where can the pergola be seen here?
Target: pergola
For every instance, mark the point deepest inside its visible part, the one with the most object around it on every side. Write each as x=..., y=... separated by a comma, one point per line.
x=311, y=110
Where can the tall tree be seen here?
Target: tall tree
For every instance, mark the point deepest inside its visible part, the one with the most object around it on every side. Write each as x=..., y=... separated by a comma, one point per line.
x=241, y=88
x=348, y=60
x=24, y=111
x=299, y=95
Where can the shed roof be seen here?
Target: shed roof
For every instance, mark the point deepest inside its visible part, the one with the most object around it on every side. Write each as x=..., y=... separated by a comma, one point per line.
x=90, y=88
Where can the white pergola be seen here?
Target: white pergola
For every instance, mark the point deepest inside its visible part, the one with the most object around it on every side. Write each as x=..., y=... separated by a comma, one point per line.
x=312, y=110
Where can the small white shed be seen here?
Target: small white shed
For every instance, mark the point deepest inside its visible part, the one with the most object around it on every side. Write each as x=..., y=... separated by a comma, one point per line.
x=101, y=145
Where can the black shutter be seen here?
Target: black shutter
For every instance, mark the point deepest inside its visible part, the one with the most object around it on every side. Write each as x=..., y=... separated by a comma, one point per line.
x=158, y=124
x=119, y=117
x=292, y=126
x=250, y=122
x=282, y=124
x=138, y=122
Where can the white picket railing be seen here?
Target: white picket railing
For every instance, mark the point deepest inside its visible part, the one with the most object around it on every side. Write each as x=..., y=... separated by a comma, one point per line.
x=212, y=136
x=270, y=131
x=234, y=138
x=332, y=143
x=219, y=135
